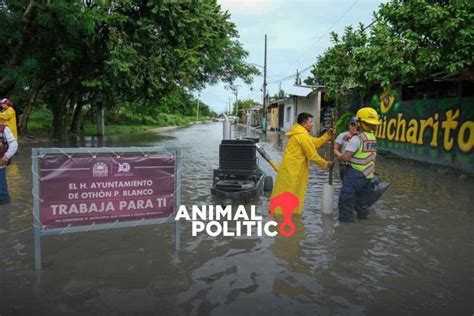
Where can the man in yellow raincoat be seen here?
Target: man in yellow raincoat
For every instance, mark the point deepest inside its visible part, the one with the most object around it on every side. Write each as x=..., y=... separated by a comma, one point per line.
x=8, y=115
x=300, y=151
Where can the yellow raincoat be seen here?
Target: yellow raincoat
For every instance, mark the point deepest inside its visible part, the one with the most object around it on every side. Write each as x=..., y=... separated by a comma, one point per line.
x=9, y=118
x=294, y=168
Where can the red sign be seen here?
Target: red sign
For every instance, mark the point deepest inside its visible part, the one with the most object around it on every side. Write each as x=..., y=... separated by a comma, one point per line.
x=83, y=190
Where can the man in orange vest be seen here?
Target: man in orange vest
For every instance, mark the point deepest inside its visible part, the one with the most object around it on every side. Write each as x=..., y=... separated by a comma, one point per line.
x=360, y=155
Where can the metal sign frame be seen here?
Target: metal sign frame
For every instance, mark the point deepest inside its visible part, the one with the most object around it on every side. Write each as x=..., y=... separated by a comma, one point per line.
x=40, y=231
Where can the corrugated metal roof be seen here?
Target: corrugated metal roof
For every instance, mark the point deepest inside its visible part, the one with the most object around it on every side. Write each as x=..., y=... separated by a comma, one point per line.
x=276, y=102
x=299, y=91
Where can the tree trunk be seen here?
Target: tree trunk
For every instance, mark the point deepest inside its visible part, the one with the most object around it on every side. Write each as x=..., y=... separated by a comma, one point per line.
x=29, y=107
x=84, y=117
x=116, y=114
x=76, y=116
x=59, y=112
x=58, y=117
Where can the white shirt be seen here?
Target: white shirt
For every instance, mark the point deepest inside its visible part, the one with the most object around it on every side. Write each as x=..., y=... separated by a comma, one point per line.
x=12, y=143
x=340, y=139
x=354, y=144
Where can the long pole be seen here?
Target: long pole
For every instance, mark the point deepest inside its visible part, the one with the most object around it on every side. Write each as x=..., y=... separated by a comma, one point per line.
x=331, y=152
x=197, y=111
x=264, y=120
x=327, y=206
x=236, y=101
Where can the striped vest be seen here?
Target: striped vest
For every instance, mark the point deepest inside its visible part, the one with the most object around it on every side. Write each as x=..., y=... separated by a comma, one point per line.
x=363, y=159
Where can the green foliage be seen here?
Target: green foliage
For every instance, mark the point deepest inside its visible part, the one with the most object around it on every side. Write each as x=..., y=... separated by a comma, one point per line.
x=337, y=67
x=126, y=123
x=148, y=56
x=343, y=122
x=279, y=95
x=408, y=41
x=40, y=121
x=243, y=105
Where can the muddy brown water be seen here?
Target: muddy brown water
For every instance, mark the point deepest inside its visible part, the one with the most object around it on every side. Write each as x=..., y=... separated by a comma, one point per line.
x=415, y=254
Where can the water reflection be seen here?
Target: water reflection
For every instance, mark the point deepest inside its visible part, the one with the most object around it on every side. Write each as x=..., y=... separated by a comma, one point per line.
x=413, y=255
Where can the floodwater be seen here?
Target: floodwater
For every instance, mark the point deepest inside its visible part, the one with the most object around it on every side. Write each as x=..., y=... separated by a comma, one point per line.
x=414, y=255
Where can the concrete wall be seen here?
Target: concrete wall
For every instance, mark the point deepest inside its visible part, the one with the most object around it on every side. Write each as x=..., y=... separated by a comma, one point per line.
x=289, y=114
x=273, y=117
x=298, y=105
x=308, y=105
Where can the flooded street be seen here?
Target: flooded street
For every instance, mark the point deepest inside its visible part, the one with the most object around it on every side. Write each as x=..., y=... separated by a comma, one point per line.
x=414, y=255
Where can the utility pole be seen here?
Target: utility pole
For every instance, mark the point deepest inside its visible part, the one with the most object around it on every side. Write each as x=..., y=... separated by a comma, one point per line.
x=197, y=109
x=264, y=118
x=236, y=101
x=235, y=90
x=297, y=79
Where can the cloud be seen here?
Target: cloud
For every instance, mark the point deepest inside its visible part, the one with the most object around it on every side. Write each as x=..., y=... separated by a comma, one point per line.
x=298, y=31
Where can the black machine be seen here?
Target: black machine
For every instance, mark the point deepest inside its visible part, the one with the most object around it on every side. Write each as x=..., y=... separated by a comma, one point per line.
x=239, y=176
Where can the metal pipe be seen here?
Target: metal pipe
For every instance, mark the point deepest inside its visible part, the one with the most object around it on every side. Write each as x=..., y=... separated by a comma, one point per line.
x=226, y=129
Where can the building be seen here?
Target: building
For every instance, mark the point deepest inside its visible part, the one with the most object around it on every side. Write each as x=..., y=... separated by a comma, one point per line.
x=275, y=115
x=282, y=113
x=253, y=116
x=306, y=99
x=431, y=120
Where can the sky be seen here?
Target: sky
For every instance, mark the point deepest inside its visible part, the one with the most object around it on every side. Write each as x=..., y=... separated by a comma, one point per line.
x=297, y=33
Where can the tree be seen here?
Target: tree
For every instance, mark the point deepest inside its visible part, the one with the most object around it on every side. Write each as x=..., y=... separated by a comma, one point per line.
x=409, y=41
x=116, y=53
x=428, y=35
x=243, y=105
x=341, y=68
x=279, y=95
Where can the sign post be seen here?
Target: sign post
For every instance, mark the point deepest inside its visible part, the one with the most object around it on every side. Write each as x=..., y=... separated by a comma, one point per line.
x=85, y=189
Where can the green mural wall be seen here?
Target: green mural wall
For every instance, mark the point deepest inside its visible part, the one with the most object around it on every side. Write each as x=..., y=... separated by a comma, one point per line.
x=439, y=131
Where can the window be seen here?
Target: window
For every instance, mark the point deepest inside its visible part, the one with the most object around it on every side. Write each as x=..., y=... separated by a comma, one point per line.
x=288, y=114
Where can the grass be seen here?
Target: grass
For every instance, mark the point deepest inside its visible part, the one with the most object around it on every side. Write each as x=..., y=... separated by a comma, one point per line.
x=116, y=129
x=40, y=124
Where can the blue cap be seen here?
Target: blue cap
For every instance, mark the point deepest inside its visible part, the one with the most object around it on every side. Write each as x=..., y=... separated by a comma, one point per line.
x=353, y=120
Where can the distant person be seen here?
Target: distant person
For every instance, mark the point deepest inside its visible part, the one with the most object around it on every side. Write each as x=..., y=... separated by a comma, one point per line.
x=8, y=148
x=360, y=154
x=293, y=171
x=341, y=142
x=9, y=116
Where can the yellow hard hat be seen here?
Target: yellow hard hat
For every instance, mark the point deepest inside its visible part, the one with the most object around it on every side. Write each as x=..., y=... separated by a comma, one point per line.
x=369, y=116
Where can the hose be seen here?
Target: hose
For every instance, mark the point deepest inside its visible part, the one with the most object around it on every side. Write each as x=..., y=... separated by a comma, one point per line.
x=265, y=156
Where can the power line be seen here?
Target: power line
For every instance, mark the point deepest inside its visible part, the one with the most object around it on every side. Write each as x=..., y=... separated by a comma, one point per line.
x=318, y=39
x=291, y=76
x=269, y=73
x=337, y=21
x=371, y=23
